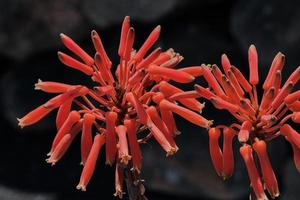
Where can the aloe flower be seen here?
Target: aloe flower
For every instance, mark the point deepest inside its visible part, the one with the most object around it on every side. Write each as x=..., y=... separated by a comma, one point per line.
x=123, y=109
x=257, y=122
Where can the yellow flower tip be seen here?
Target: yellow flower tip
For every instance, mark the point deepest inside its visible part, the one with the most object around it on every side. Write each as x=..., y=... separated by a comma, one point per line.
x=119, y=194
x=209, y=124
x=177, y=132
x=51, y=161
x=81, y=187
x=171, y=152
x=61, y=35
x=37, y=85
x=21, y=124
x=202, y=106
x=125, y=159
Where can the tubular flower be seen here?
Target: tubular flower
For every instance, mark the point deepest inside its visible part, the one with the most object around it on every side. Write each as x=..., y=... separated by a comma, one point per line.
x=136, y=98
x=257, y=123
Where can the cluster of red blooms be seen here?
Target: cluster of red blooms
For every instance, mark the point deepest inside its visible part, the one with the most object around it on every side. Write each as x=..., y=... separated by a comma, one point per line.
x=257, y=123
x=137, y=98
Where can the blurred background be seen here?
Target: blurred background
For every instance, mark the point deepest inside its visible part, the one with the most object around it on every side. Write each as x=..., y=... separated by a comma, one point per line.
x=199, y=30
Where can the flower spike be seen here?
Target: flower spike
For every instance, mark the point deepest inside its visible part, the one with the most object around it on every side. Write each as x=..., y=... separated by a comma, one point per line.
x=257, y=122
x=124, y=108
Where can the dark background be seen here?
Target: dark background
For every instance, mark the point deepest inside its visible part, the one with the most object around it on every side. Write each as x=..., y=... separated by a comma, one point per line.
x=199, y=30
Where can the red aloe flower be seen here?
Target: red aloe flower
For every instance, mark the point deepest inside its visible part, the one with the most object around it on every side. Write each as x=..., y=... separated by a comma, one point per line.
x=134, y=99
x=257, y=122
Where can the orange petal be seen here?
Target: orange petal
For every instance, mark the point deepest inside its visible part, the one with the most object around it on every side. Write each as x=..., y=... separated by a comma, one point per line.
x=296, y=117
x=243, y=134
x=111, y=137
x=282, y=94
x=175, y=75
x=105, y=72
x=152, y=38
x=291, y=98
x=149, y=59
x=129, y=43
x=124, y=32
x=204, y=92
x=73, y=118
x=253, y=65
x=269, y=177
x=241, y=79
x=89, y=167
x=34, y=116
x=291, y=134
x=193, y=71
x=123, y=145
x=215, y=151
x=71, y=62
x=277, y=64
x=186, y=113
x=225, y=63
x=100, y=49
x=70, y=44
x=135, y=150
x=161, y=139
x=267, y=99
x=228, y=159
x=86, y=137
x=256, y=184
x=52, y=87
x=152, y=112
x=143, y=117
x=169, y=90
x=212, y=82
x=63, y=112
x=295, y=107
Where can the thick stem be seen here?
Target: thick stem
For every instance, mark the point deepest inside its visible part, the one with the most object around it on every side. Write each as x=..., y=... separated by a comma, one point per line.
x=134, y=185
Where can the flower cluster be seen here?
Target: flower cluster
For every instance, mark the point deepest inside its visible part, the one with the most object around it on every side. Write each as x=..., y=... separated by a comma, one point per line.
x=257, y=122
x=136, y=98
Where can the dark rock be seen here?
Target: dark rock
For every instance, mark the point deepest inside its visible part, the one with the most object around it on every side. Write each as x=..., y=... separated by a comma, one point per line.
x=29, y=26
x=271, y=25
x=12, y=194
x=106, y=12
